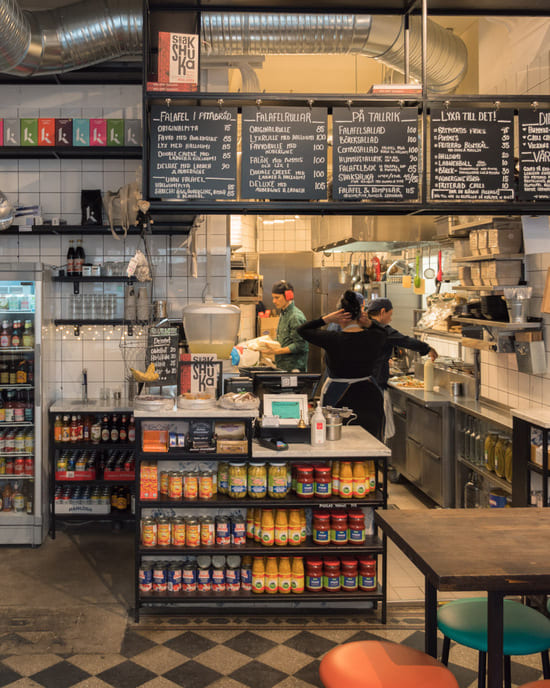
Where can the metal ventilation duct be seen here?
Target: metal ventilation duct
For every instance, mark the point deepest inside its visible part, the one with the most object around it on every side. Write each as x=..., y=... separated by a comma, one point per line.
x=71, y=37
x=379, y=37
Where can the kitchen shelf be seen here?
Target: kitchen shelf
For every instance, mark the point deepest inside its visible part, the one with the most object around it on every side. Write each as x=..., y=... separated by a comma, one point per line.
x=16, y=425
x=71, y=152
x=463, y=230
x=493, y=290
x=180, y=228
x=16, y=386
x=99, y=278
x=372, y=545
x=495, y=256
x=373, y=499
x=16, y=350
x=535, y=467
x=190, y=456
x=90, y=445
x=456, y=336
x=111, y=516
x=86, y=321
x=7, y=311
x=489, y=475
x=500, y=325
x=245, y=596
x=95, y=482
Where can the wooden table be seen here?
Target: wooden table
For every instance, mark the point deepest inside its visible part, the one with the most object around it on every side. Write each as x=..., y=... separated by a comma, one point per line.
x=501, y=551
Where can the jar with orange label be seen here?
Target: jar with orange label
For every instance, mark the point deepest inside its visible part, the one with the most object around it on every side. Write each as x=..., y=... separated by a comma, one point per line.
x=281, y=527
x=359, y=478
x=191, y=485
x=193, y=532
x=208, y=531
x=268, y=528
x=164, y=532
x=294, y=527
x=178, y=531
x=149, y=532
x=206, y=485
x=163, y=483
x=335, y=475
x=271, y=575
x=346, y=480
x=175, y=485
x=304, y=481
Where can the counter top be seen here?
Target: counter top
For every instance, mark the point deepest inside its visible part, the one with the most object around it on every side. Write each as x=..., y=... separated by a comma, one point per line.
x=532, y=414
x=355, y=442
x=423, y=397
x=211, y=412
x=92, y=406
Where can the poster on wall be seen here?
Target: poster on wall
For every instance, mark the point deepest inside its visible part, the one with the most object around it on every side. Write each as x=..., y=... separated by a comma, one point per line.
x=376, y=154
x=284, y=153
x=472, y=154
x=534, y=155
x=193, y=153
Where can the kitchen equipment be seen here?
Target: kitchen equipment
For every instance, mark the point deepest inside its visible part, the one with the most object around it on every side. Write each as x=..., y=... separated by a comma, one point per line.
x=493, y=307
x=429, y=272
x=159, y=309
x=417, y=273
x=457, y=389
x=334, y=426
x=211, y=328
x=439, y=275
x=342, y=275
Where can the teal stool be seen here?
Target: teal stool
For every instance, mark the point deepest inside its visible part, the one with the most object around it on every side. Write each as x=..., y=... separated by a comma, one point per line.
x=526, y=631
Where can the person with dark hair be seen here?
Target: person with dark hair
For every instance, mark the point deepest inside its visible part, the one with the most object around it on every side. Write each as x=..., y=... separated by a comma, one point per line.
x=350, y=355
x=381, y=310
x=292, y=351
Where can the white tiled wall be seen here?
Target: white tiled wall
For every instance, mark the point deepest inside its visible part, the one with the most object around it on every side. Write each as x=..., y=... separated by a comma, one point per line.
x=283, y=234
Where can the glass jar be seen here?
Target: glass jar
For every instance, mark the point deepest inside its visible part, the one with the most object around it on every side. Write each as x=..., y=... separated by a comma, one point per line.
x=314, y=574
x=304, y=481
x=367, y=573
x=339, y=527
x=277, y=483
x=349, y=574
x=257, y=480
x=323, y=481
x=223, y=477
x=237, y=480
x=321, y=527
x=508, y=460
x=489, y=450
x=500, y=451
x=356, y=526
x=331, y=574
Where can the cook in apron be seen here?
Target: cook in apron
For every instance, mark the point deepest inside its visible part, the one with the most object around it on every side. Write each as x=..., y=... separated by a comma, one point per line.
x=389, y=425
x=367, y=413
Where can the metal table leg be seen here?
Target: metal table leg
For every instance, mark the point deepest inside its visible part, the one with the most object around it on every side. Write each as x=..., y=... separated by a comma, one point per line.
x=495, y=628
x=430, y=623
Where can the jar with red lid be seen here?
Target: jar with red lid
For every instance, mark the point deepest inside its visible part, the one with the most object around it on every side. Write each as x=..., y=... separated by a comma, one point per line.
x=314, y=574
x=339, y=527
x=367, y=573
x=349, y=574
x=323, y=481
x=321, y=527
x=304, y=481
x=356, y=526
x=331, y=574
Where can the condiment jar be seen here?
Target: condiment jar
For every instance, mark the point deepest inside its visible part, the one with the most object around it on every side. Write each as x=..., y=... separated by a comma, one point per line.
x=314, y=574
x=237, y=480
x=356, y=526
x=349, y=574
x=304, y=481
x=339, y=527
x=321, y=527
x=257, y=480
x=331, y=574
x=323, y=481
x=367, y=573
x=277, y=483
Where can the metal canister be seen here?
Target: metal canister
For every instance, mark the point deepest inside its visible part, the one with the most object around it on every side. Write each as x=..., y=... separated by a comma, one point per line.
x=206, y=487
x=189, y=576
x=148, y=531
x=174, y=577
x=193, y=532
x=164, y=532
x=178, y=531
x=175, y=485
x=191, y=485
x=208, y=534
x=146, y=576
x=163, y=483
x=223, y=530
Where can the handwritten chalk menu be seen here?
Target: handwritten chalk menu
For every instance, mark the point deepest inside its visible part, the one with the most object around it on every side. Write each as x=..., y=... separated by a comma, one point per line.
x=375, y=154
x=472, y=155
x=284, y=153
x=162, y=350
x=193, y=153
x=534, y=155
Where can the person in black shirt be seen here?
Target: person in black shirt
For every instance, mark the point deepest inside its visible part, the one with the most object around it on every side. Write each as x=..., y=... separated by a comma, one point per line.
x=350, y=355
x=381, y=310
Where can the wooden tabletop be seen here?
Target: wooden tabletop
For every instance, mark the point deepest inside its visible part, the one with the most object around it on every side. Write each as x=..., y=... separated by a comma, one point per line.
x=475, y=549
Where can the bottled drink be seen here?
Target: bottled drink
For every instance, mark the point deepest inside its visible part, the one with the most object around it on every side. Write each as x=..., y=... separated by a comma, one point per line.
x=268, y=527
x=95, y=431
x=73, y=430
x=19, y=407
x=271, y=575
x=65, y=430
x=429, y=374
x=123, y=429
x=10, y=407
x=29, y=406
x=105, y=429
x=5, y=334
x=87, y=429
x=297, y=583
x=21, y=376
x=70, y=259
x=359, y=476
x=131, y=429
x=12, y=372
x=79, y=257
x=346, y=479
x=114, y=429
x=4, y=373
x=2, y=409
x=285, y=575
x=28, y=334
x=281, y=527
x=258, y=575
x=30, y=372
x=79, y=428
x=17, y=334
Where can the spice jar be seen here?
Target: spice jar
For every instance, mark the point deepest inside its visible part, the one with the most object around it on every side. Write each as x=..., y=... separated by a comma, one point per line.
x=331, y=574
x=277, y=483
x=323, y=481
x=314, y=574
x=257, y=480
x=304, y=481
x=367, y=573
x=349, y=579
x=339, y=527
x=321, y=527
x=237, y=480
x=356, y=526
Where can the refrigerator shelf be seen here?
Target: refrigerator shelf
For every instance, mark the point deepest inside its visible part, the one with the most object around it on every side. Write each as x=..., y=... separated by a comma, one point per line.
x=12, y=476
x=23, y=453
x=16, y=386
x=16, y=350
x=16, y=425
x=13, y=518
x=7, y=310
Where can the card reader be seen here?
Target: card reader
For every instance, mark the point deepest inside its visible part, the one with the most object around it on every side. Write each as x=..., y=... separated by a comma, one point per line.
x=273, y=443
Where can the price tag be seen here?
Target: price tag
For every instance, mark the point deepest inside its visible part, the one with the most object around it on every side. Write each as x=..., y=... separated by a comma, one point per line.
x=289, y=381
x=270, y=421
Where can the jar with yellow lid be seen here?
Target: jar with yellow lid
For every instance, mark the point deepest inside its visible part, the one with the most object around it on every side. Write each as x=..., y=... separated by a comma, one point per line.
x=237, y=480
x=500, y=452
x=489, y=450
x=277, y=483
x=257, y=480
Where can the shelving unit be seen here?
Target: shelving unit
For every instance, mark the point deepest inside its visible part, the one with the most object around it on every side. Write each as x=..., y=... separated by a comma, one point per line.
x=71, y=153
x=491, y=256
x=527, y=422
x=355, y=444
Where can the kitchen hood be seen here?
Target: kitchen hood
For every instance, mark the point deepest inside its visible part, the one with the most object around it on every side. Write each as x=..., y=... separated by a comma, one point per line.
x=372, y=232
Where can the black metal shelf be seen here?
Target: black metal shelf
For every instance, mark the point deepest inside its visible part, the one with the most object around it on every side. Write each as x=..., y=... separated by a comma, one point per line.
x=90, y=445
x=172, y=455
x=245, y=596
x=95, y=481
x=99, y=278
x=373, y=499
x=489, y=475
x=111, y=516
x=71, y=153
x=372, y=545
x=535, y=468
x=95, y=230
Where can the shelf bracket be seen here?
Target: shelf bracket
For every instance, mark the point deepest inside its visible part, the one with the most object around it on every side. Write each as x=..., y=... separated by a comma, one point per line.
x=130, y=330
x=76, y=287
x=76, y=329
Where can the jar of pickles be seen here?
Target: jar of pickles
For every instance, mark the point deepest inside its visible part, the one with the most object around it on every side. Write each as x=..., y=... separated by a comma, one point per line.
x=237, y=480
x=508, y=461
x=277, y=482
x=489, y=450
x=500, y=456
x=257, y=480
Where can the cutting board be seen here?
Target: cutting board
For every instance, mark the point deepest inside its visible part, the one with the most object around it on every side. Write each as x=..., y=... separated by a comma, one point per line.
x=545, y=308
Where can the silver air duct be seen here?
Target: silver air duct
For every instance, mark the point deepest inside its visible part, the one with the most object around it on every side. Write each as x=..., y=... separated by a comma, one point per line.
x=379, y=37
x=71, y=37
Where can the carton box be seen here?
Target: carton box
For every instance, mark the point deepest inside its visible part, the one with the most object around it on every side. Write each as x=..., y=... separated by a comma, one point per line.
x=132, y=132
x=504, y=240
x=148, y=484
x=12, y=132
x=268, y=326
x=178, y=61
x=98, y=131
x=63, y=132
x=46, y=131
x=115, y=132
x=29, y=131
x=81, y=132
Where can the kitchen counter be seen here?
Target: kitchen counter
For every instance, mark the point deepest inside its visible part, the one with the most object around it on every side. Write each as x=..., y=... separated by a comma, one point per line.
x=423, y=397
x=91, y=406
x=355, y=443
x=535, y=415
x=210, y=412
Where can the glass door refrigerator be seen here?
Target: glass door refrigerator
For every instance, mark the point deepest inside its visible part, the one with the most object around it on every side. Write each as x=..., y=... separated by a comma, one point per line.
x=24, y=331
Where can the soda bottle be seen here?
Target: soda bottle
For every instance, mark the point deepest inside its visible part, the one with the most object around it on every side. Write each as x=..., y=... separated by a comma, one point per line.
x=114, y=429
x=10, y=407
x=131, y=429
x=70, y=259
x=79, y=428
x=65, y=430
x=17, y=334
x=73, y=430
x=21, y=376
x=5, y=334
x=79, y=257
x=19, y=407
x=86, y=428
x=105, y=429
x=4, y=373
x=29, y=406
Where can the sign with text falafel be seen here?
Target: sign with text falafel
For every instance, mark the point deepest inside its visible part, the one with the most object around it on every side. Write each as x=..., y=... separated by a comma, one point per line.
x=376, y=154
x=284, y=153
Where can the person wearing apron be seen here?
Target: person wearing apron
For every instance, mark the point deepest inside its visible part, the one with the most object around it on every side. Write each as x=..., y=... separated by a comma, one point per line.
x=350, y=355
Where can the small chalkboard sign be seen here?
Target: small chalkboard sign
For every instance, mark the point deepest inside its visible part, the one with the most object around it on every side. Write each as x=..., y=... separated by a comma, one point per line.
x=284, y=153
x=534, y=155
x=162, y=350
x=472, y=154
x=193, y=153
x=376, y=154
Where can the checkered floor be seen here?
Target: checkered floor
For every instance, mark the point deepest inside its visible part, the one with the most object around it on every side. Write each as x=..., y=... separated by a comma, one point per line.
x=152, y=658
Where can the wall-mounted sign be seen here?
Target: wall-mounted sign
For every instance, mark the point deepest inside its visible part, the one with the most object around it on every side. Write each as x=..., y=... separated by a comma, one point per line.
x=534, y=155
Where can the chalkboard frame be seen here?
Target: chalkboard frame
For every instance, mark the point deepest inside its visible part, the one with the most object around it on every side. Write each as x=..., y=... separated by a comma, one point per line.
x=173, y=334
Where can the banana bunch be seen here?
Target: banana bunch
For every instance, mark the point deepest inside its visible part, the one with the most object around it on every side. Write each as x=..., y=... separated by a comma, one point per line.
x=148, y=376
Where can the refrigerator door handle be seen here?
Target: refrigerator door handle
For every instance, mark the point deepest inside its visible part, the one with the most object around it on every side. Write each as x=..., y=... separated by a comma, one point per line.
x=37, y=374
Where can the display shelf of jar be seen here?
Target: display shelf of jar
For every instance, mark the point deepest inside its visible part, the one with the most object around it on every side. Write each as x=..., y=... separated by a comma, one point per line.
x=489, y=475
x=111, y=515
x=14, y=476
x=375, y=498
x=92, y=445
x=94, y=481
x=246, y=596
x=181, y=455
x=17, y=311
x=23, y=424
x=489, y=256
x=16, y=350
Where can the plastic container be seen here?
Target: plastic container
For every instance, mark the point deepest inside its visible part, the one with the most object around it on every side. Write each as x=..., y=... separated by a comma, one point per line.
x=211, y=328
x=429, y=374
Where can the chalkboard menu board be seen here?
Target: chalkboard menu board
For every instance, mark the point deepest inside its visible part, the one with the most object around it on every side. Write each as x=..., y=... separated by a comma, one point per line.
x=472, y=155
x=534, y=155
x=193, y=153
x=375, y=154
x=284, y=153
x=162, y=350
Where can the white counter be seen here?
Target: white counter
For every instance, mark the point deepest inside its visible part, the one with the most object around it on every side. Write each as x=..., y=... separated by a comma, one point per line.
x=211, y=412
x=92, y=406
x=537, y=416
x=356, y=442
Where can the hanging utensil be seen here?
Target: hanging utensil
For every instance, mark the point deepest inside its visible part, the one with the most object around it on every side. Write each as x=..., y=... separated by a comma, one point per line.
x=342, y=275
x=376, y=266
x=429, y=272
x=439, y=276
x=417, y=273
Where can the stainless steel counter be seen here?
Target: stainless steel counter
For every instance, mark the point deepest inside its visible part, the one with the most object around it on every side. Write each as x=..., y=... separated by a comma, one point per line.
x=92, y=406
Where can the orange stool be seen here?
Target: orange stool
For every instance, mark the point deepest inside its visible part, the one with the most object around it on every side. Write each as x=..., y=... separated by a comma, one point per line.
x=544, y=683
x=381, y=664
